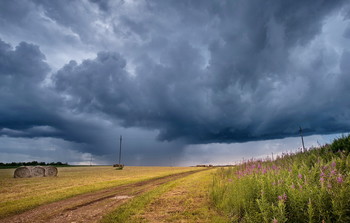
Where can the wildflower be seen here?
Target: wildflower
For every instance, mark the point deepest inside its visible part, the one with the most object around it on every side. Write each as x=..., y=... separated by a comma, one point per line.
x=300, y=186
x=282, y=197
x=300, y=176
x=229, y=180
x=292, y=186
x=333, y=172
x=274, y=220
x=340, y=179
x=321, y=179
x=329, y=186
x=322, y=174
x=333, y=164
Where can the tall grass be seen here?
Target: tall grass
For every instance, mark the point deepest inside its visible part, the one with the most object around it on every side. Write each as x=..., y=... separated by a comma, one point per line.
x=302, y=187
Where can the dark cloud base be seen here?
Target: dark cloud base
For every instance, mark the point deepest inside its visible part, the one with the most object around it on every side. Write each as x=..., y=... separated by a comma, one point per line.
x=231, y=74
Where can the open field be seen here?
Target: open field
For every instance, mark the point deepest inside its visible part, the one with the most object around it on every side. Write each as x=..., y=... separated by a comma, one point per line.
x=20, y=194
x=308, y=186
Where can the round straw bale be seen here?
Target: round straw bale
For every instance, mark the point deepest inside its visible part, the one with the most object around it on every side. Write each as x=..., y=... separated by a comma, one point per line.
x=21, y=172
x=50, y=171
x=37, y=171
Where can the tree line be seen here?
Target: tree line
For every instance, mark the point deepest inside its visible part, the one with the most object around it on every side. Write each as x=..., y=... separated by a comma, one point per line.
x=32, y=163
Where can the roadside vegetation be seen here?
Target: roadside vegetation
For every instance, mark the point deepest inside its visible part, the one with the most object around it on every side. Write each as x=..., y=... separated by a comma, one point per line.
x=182, y=200
x=311, y=186
x=20, y=194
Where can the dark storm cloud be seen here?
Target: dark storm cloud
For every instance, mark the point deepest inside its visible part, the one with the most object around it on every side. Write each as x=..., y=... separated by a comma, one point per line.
x=30, y=108
x=245, y=86
x=23, y=101
x=201, y=71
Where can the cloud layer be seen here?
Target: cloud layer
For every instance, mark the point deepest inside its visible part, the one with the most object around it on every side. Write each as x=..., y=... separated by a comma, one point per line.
x=195, y=72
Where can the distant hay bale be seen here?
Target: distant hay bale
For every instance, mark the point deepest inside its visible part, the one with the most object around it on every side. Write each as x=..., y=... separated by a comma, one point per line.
x=50, y=171
x=35, y=171
x=21, y=172
x=119, y=166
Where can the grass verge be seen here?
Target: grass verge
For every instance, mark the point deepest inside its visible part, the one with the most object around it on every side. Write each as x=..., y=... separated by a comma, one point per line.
x=312, y=186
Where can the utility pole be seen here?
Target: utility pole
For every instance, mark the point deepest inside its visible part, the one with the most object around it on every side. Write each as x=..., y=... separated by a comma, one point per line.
x=120, y=149
x=302, y=139
x=90, y=158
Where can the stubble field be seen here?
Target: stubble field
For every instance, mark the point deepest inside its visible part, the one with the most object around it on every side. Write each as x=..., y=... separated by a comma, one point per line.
x=18, y=194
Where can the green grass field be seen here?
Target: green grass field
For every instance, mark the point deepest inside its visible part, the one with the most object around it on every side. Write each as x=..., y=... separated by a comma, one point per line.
x=20, y=194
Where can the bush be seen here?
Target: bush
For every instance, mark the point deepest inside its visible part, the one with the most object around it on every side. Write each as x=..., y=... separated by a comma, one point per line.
x=341, y=144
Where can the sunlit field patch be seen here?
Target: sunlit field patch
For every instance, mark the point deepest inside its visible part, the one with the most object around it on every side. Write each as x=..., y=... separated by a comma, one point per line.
x=19, y=194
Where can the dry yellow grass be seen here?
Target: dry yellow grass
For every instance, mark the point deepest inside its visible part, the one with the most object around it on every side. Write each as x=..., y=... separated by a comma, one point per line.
x=19, y=194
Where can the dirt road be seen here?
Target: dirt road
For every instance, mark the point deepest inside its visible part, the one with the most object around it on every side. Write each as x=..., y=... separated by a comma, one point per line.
x=92, y=206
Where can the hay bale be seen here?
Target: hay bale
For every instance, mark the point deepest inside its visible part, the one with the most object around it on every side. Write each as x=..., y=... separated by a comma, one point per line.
x=50, y=171
x=36, y=171
x=21, y=172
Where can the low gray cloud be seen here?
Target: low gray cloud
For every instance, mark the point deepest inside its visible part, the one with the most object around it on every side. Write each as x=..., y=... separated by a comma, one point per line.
x=192, y=72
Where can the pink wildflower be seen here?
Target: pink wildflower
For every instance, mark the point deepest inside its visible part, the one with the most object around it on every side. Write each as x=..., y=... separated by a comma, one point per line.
x=282, y=197
x=229, y=180
x=333, y=172
x=292, y=186
x=333, y=164
x=300, y=176
x=340, y=179
x=321, y=179
x=274, y=220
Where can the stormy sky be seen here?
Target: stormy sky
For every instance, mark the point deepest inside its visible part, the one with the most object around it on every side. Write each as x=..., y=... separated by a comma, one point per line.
x=184, y=82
